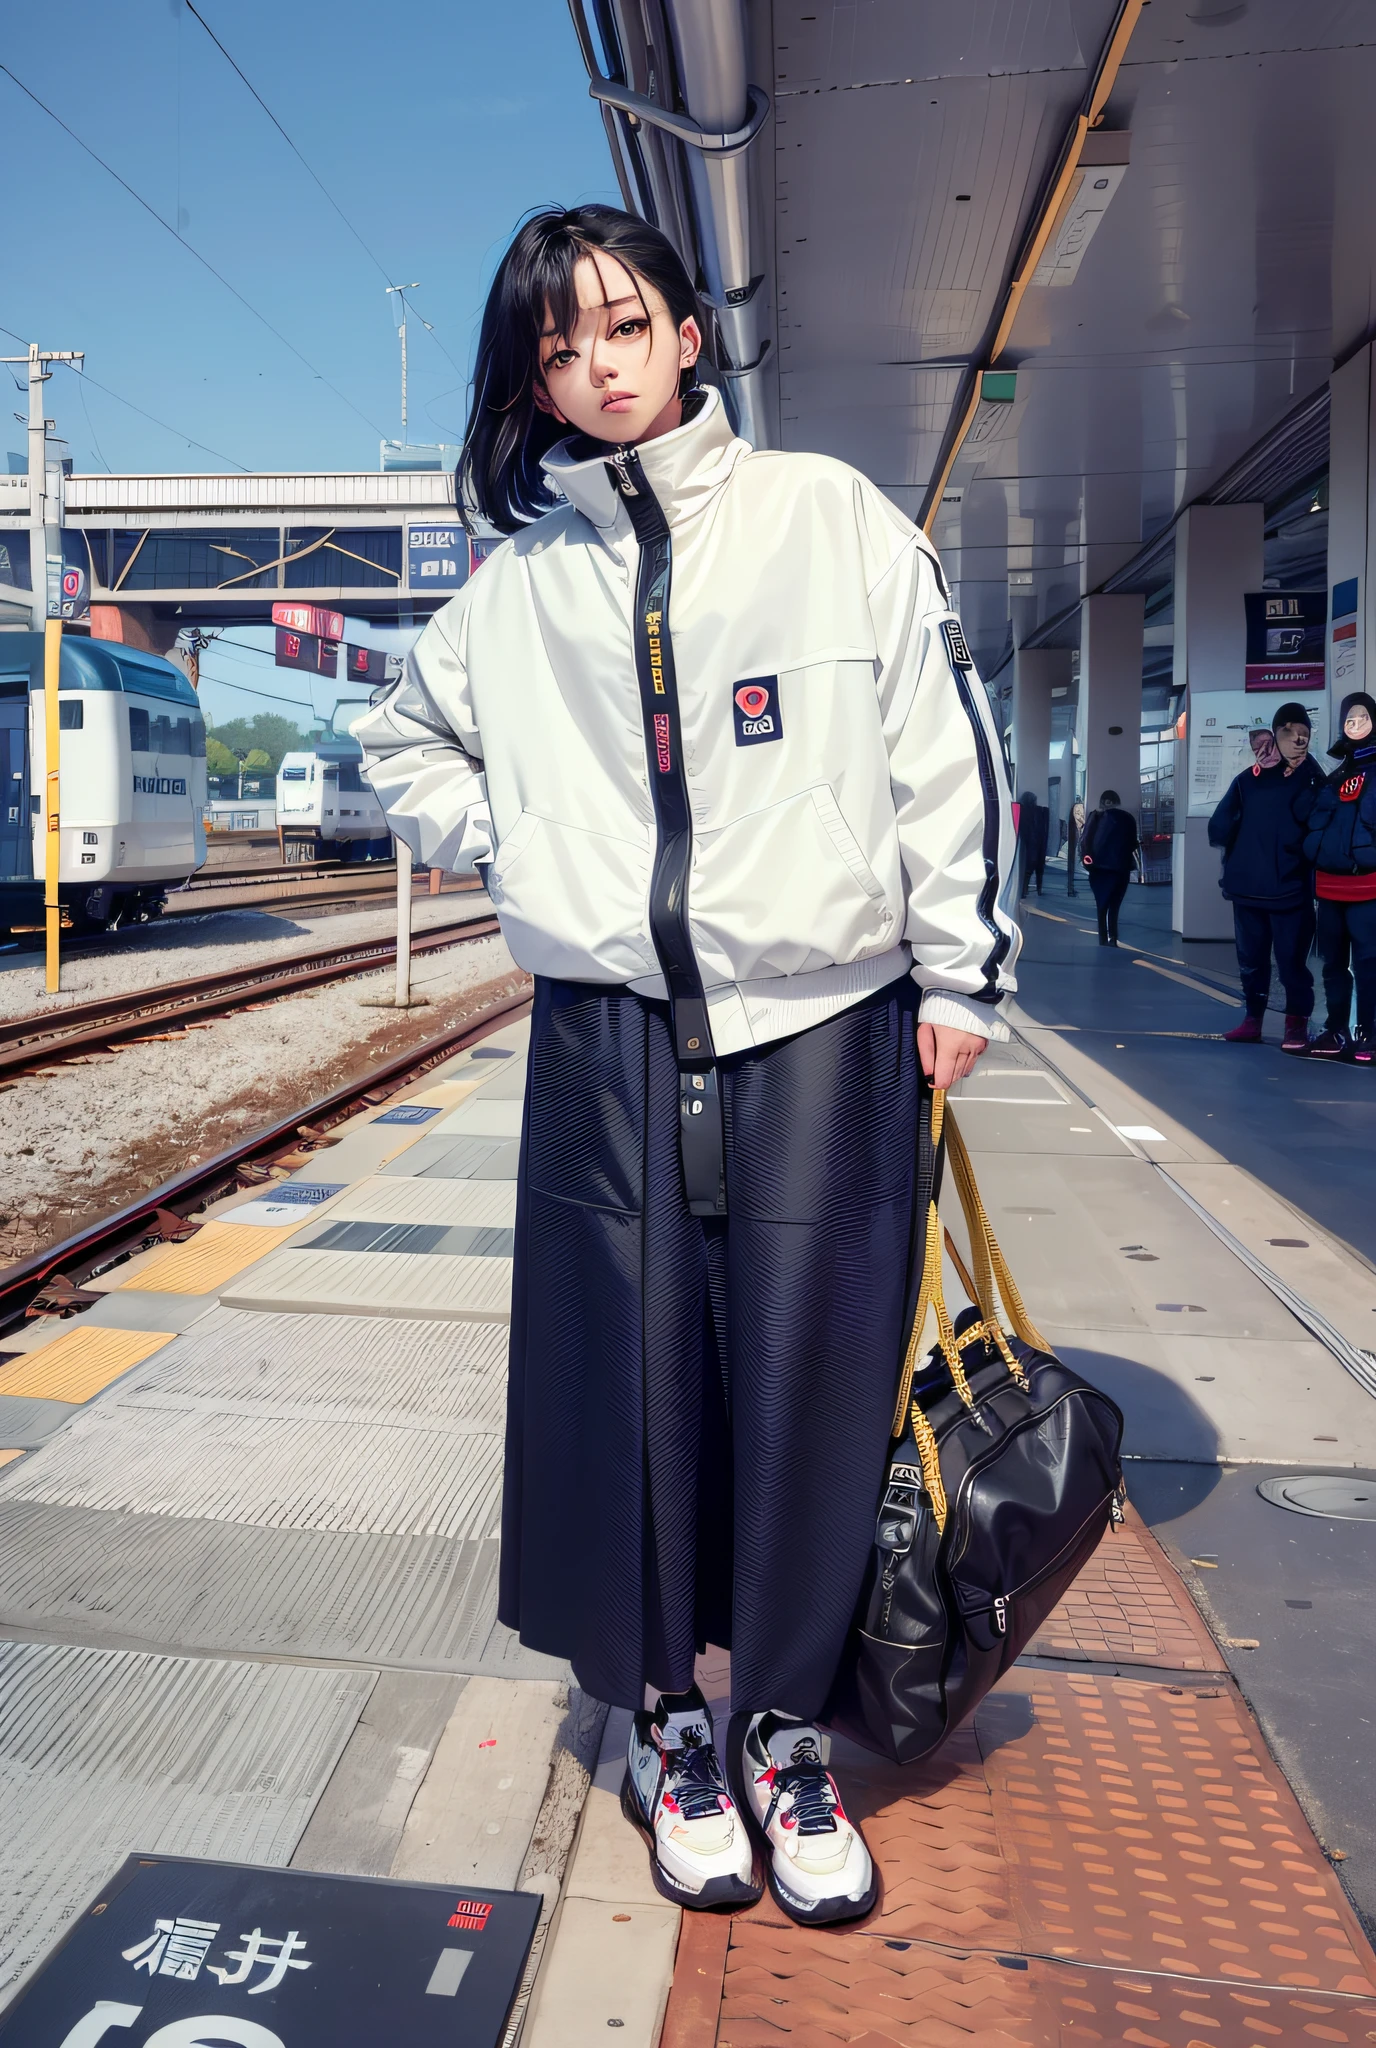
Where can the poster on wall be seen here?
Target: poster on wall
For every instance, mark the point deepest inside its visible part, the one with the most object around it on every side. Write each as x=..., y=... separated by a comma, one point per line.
x=1221, y=723
x=1286, y=631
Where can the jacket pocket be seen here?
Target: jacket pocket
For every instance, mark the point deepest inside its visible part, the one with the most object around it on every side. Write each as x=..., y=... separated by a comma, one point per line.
x=786, y=890
x=572, y=902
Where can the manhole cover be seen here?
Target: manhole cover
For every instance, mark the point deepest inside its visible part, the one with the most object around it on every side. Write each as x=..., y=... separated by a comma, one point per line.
x=1318, y=1493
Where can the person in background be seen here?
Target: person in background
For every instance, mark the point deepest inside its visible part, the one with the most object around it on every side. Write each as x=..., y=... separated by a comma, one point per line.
x=1108, y=849
x=1260, y=824
x=1074, y=834
x=1034, y=830
x=1341, y=842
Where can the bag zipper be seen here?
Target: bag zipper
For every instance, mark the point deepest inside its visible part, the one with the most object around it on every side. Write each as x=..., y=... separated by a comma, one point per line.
x=975, y=1469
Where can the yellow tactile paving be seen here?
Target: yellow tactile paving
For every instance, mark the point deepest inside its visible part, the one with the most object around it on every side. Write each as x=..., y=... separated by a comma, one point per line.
x=215, y=1254
x=78, y=1364
x=8, y=1457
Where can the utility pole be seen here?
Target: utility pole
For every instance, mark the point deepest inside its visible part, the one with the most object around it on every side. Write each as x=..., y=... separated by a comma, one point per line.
x=401, y=291
x=45, y=588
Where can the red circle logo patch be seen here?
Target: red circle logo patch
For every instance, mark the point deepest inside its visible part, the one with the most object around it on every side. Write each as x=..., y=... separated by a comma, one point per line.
x=752, y=699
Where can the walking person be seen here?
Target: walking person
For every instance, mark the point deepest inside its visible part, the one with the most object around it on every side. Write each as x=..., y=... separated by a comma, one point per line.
x=1341, y=842
x=1034, y=830
x=1108, y=850
x=1268, y=878
x=710, y=718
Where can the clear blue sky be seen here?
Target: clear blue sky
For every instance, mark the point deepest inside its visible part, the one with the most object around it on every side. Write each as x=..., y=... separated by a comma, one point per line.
x=433, y=125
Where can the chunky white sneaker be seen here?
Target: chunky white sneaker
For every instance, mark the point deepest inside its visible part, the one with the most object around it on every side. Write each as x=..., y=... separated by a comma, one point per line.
x=700, y=1849
x=818, y=1867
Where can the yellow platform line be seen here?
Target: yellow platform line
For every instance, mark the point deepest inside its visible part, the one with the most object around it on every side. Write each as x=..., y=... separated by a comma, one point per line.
x=215, y=1254
x=8, y=1457
x=79, y=1363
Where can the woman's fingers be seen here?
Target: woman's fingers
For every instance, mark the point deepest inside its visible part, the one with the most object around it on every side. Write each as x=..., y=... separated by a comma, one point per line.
x=947, y=1055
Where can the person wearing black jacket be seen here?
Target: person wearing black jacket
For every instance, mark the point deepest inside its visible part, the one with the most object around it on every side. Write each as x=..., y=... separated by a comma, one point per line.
x=1108, y=848
x=1341, y=842
x=1034, y=828
x=1267, y=877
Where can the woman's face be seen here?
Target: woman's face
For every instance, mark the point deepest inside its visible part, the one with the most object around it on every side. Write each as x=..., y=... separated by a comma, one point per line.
x=1357, y=724
x=616, y=376
x=1293, y=741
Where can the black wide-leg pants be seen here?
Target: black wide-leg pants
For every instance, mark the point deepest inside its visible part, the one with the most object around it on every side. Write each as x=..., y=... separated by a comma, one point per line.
x=698, y=1410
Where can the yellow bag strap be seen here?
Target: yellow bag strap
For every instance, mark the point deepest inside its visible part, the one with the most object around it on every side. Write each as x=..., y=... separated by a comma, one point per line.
x=931, y=1294
x=991, y=1267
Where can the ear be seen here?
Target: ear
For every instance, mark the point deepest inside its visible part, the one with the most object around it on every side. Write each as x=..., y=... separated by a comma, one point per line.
x=544, y=403
x=689, y=343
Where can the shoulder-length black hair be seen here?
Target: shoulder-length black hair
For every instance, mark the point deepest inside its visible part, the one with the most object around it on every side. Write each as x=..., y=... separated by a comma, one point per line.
x=499, y=466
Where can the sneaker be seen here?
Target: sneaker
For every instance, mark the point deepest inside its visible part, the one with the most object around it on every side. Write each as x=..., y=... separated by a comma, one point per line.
x=1296, y=1039
x=818, y=1867
x=1331, y=1045
x=674, y=1792
x=1248, y=1032
x=1364, y=1049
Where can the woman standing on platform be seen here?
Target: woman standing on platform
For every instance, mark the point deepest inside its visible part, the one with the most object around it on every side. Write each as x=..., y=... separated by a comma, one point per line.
x=1342, y=845
x=708, y=724
x=1109, y=849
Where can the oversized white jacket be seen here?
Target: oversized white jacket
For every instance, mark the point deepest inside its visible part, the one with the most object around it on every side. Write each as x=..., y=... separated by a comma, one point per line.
x=856, y=830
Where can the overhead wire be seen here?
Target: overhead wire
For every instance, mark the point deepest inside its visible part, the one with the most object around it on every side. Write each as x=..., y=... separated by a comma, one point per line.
x=191, y=249
x=312, y=173
x=120, y=399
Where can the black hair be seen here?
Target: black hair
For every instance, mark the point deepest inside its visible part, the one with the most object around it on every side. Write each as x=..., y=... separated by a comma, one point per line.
x=499, y=465
x=1110, y=800
x=1290, y=714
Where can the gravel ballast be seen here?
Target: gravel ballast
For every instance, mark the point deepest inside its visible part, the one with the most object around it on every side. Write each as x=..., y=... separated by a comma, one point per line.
x=80, y=1140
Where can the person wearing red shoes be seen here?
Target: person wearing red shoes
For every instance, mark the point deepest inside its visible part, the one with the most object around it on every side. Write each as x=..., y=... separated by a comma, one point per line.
x=1260, y=825
x=1342, y=844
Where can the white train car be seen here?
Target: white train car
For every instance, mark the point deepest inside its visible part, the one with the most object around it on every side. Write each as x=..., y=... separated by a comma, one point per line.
x=133, y=784
x=325, y=808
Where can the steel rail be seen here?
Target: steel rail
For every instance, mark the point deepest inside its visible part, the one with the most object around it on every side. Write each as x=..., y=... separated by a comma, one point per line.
x=28, y=1042
x=126, y=1230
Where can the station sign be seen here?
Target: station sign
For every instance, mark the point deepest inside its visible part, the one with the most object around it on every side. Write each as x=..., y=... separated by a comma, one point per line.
x=437, y=556
x=76, y=593
x=371, y=665
x=179, y=1953
x=1286, y=630
x=307, y=651
x=316, y=619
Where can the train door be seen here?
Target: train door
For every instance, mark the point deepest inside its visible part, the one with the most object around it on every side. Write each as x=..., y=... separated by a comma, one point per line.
x=16, y=832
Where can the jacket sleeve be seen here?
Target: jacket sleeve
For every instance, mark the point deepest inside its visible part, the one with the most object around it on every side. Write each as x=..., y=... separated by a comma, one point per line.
x=955, y=821
x=422, y=753
x=1227, y=817
x=1320, y=816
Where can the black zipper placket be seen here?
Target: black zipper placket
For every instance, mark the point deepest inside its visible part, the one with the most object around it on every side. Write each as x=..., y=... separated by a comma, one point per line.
x=699, y=1097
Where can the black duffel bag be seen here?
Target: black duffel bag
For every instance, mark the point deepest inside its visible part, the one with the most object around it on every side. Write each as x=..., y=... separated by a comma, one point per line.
x=1003, y=1475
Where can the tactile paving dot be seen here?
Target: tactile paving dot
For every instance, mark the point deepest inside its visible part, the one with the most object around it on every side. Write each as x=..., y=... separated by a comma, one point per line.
x=1127, y=1607
x=1147, y=1826
x=1156, y=2012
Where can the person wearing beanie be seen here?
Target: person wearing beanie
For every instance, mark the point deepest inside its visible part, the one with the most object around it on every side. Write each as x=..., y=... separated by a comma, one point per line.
x=1109, y=851
x=1341, y=842
x=1260, y=825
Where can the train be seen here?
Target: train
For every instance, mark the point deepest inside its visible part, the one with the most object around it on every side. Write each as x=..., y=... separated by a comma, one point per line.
x=325, y=808
x=132, y=791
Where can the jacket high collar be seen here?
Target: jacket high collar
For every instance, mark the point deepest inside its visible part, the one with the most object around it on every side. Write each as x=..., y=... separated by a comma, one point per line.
x=685, y=469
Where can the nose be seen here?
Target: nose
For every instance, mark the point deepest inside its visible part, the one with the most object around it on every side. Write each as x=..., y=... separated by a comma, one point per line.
x=602, y=365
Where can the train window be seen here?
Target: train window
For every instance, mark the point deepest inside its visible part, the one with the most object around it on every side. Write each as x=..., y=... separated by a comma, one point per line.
x=138, y=729
x=70, y=714
x=350, y=778
x=198, y=738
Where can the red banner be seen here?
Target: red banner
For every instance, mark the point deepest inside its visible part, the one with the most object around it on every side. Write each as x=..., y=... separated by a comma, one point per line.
x=310, y=618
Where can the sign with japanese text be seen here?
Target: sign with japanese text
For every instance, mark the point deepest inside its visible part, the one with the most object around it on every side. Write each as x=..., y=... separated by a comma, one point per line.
x=437, y=556
x=177, y=1953
x=310, y=618
x=1286, y=630
x=308, y=651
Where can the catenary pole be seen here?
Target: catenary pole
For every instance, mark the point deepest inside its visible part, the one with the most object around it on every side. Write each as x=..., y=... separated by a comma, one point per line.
x=403, y=995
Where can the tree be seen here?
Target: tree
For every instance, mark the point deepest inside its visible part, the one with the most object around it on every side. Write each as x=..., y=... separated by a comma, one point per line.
x=268, y=733
x=218, y=758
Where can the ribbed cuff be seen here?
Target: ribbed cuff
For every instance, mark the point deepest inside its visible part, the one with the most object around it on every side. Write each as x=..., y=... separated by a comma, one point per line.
x=940, y=1006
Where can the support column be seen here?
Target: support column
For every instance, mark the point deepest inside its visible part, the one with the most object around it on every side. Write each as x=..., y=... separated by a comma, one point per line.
x=134, y=625
x=1218, y=558
x=1036, y=670
x=1352, y=606
x=1110, y=716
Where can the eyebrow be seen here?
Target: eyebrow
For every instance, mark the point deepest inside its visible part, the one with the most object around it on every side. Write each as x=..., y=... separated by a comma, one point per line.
x=609, y=305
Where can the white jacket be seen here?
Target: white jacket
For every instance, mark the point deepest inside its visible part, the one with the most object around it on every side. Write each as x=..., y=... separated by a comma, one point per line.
x=859, y=827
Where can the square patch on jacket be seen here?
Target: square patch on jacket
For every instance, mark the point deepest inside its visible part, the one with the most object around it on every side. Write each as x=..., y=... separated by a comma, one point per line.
x=755, y=708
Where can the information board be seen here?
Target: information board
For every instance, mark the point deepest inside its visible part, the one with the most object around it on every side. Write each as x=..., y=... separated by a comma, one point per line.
x=1220, y=722
x=437, y=556
x=1285, y=639
x=178, y=1953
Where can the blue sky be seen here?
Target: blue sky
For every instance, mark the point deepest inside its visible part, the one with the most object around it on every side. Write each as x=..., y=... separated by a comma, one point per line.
x=433, y=125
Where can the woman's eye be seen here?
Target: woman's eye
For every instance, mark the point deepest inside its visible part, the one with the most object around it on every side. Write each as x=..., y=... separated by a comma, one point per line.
x=560, y=360
x=628, y=329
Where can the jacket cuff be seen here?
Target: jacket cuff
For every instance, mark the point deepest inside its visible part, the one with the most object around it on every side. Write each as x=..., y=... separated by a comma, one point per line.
x=940, y=1006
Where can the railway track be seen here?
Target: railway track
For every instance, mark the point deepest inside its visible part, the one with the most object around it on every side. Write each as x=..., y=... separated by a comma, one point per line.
x=35, y=1043
x=295, y=871
x=50, y=1281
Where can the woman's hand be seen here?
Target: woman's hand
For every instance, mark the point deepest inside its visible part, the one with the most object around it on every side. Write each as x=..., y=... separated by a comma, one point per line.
x=947, y=1055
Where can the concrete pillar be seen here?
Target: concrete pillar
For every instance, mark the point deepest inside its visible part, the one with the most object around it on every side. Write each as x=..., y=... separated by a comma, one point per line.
x=1110, y=716
x=1218, y=559
x=1352, y=613
x=135, y=626
x=1036, y=671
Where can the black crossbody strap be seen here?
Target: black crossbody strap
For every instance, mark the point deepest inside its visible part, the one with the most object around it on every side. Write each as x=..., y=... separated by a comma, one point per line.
x=700, y=1114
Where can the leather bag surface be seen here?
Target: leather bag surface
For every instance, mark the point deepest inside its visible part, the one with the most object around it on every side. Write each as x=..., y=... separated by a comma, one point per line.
x=1003, y=1475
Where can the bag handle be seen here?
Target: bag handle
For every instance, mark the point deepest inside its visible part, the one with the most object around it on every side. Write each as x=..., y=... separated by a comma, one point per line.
x=992, y=1276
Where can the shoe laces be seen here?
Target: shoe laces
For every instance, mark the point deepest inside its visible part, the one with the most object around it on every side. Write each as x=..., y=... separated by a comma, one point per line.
x=807, y=1782
x=693, y=1776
